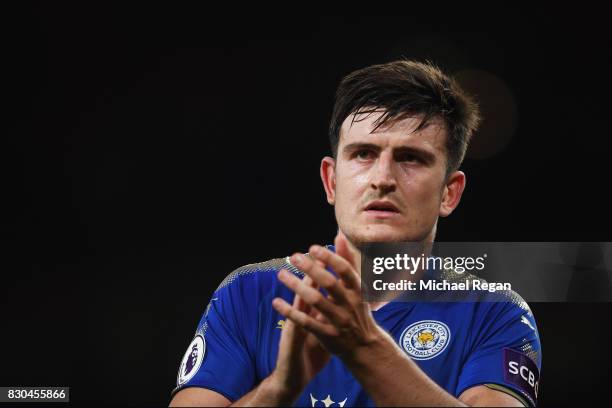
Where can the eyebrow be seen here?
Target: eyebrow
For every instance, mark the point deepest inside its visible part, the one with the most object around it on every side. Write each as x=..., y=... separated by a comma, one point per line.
x=423, y=154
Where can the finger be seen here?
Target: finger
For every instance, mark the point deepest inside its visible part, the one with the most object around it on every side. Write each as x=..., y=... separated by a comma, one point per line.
x=343, y=249
x=315, y=313
x=340, y=265
x=298, y=302
x=303, y=320
x=314, y=298
x=321, y=276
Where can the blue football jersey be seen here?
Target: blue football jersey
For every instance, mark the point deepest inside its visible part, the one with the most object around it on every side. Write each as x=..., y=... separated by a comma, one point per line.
x=457, y=344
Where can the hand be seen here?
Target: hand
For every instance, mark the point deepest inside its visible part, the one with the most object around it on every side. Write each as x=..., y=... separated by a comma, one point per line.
x=301, y=356
x=348, y=324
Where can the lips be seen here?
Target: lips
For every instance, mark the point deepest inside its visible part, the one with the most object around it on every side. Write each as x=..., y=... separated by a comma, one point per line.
x=385, y=206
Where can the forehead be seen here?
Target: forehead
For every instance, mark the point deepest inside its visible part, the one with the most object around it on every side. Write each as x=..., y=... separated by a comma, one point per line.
x=394, y=133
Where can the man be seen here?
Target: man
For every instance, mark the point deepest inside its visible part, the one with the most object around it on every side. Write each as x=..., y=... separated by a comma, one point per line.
x=270, y=336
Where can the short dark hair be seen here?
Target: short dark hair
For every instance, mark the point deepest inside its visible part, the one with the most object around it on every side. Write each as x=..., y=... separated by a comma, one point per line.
x=403, y=88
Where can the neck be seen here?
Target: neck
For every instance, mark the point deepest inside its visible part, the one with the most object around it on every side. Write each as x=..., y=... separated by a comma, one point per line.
x=425, y=249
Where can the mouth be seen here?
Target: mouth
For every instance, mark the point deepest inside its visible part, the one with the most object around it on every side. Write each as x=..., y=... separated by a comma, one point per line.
x=381, y=209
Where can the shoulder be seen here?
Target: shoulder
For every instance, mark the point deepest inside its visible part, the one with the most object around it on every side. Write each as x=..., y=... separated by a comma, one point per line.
x=495, y=314
x=256, y=276
x=503, y=317
x=236, y=301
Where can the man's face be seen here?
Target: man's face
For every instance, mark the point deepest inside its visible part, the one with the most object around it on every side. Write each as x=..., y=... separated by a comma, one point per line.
x=390, y=185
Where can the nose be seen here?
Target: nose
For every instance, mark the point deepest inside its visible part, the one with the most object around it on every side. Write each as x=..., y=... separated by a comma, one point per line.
x=383, y=179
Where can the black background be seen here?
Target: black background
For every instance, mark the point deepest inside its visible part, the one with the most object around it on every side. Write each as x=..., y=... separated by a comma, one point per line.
x=150, y=153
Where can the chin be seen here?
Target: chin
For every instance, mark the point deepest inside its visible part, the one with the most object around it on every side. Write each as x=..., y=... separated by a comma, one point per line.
x=380, y=233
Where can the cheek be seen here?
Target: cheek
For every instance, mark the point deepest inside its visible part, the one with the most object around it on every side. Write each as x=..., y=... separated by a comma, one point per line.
x=360, y=179
x=422, y=194
x=350, y=185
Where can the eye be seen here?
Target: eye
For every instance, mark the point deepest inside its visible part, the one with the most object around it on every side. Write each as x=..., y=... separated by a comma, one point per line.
x=364, y=154
x=408, y=157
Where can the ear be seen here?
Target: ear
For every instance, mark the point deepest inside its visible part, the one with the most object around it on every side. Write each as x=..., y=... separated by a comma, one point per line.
x=451, y=195
x=328, y=176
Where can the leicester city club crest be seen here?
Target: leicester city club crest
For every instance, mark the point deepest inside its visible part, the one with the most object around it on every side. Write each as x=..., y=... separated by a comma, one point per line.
x=192, y=360
x=425, y=339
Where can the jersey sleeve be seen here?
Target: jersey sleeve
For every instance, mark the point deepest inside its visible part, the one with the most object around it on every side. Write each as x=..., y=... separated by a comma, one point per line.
x=220, y=357
x=506, y=353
